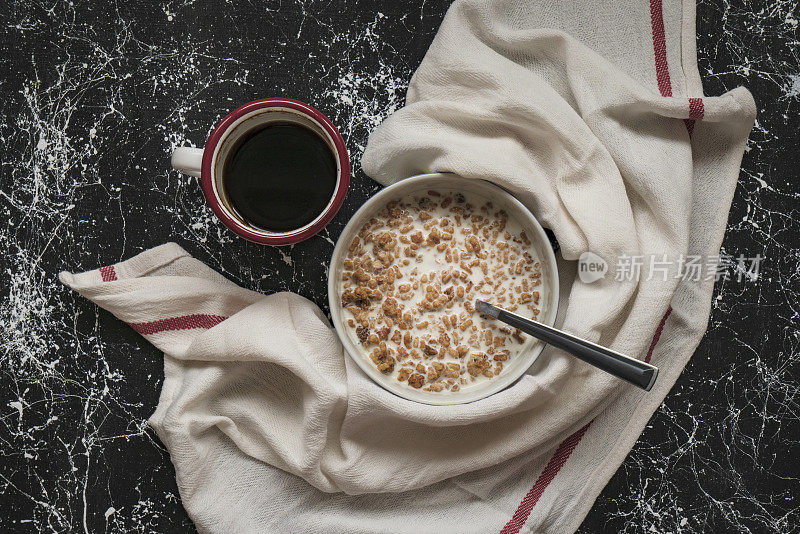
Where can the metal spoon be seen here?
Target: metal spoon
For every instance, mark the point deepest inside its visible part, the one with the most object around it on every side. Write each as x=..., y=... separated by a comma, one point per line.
x=634, y=371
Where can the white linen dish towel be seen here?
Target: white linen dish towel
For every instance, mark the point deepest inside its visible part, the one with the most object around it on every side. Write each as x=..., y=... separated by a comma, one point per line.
x=593, y=115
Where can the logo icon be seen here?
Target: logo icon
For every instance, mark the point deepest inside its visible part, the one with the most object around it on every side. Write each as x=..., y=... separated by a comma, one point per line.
x=591, y=267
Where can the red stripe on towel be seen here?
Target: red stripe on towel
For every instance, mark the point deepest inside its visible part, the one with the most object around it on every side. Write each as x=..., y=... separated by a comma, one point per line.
x=185, y=322
x=550, y=471
x=561, y=455
x=660, y=48
x=696, y=112
x=657, y=335
x=107, y=273
x=696, y=109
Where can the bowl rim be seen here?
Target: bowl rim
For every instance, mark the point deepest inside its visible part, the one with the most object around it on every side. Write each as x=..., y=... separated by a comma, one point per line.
x=531, y=354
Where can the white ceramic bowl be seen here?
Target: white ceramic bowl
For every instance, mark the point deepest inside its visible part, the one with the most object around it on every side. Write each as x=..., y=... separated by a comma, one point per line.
x=512, y=369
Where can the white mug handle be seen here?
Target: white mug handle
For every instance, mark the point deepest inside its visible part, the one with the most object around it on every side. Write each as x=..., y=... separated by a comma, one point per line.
x=188, y=160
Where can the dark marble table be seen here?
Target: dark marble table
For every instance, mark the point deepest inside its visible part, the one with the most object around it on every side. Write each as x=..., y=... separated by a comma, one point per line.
x=95, y=95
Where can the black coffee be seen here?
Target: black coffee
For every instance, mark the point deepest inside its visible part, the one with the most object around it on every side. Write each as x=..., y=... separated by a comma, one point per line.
x=280, y=177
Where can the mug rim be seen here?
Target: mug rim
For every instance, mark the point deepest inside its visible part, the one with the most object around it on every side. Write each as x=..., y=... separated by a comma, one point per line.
x=277, y=238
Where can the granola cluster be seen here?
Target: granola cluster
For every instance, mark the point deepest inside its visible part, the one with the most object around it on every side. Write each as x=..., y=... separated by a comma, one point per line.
x=410, y=280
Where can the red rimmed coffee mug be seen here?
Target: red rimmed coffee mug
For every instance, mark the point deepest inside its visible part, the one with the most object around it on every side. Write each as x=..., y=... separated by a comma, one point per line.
x=209, y=164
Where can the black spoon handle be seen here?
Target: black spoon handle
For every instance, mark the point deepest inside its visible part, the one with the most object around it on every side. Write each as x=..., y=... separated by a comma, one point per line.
x=634, y=371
